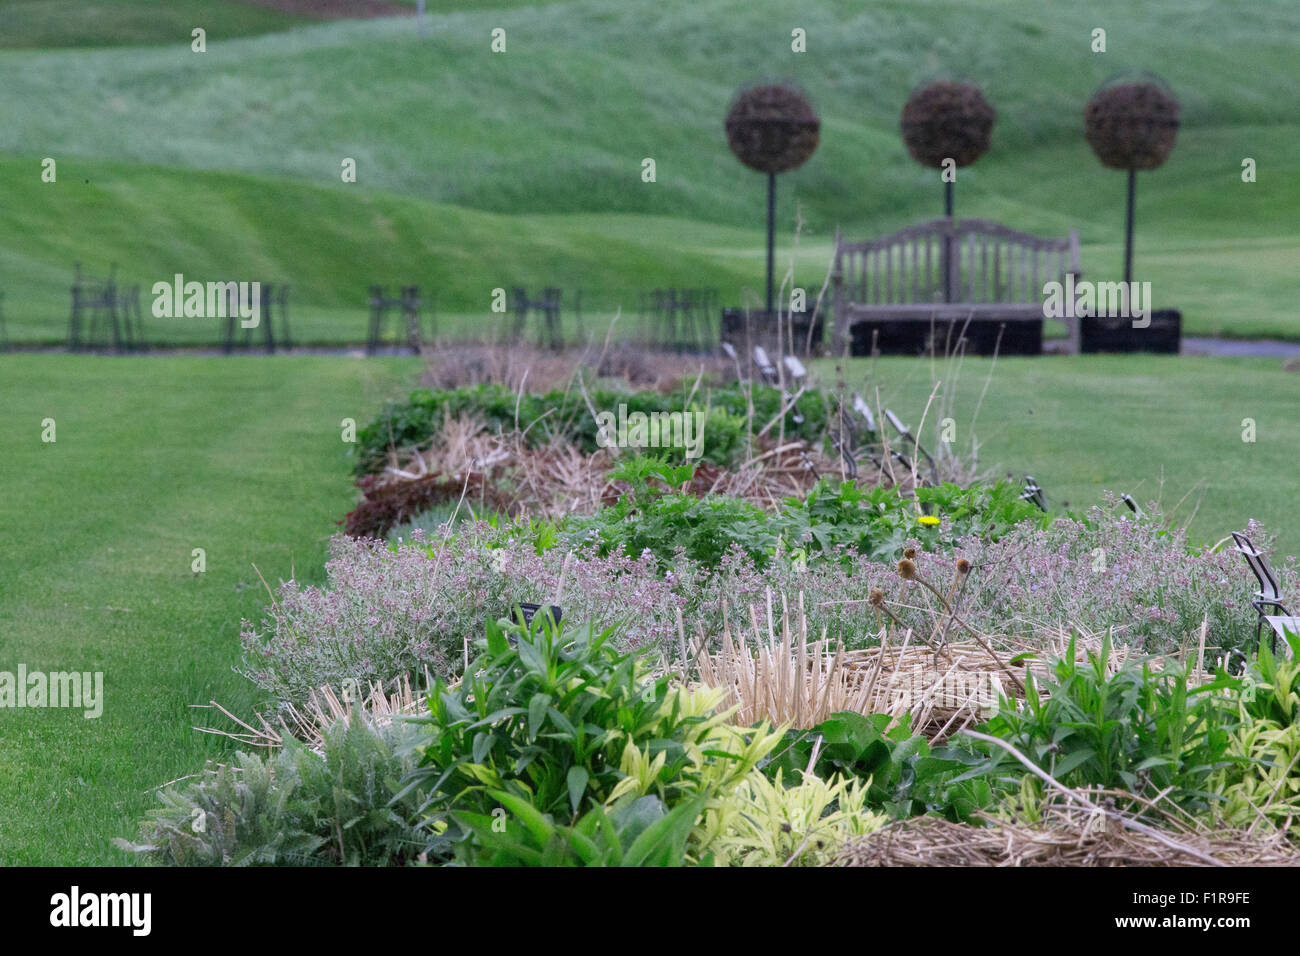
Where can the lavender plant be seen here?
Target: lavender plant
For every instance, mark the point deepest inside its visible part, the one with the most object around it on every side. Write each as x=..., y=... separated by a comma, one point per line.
x=388, y=611
x=391, y=610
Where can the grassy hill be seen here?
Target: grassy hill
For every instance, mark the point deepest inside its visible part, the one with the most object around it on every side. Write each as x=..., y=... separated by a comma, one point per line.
x=478, y=170
x=33, y=24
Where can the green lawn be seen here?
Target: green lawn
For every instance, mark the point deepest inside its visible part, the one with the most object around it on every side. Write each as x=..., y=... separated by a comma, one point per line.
x=1084, y=424
x=479, y=170
x=153, y=458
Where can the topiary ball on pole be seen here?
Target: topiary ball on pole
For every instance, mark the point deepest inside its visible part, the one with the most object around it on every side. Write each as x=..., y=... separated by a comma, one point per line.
x=1132, y=124
x=947, y=119
x=772, y=128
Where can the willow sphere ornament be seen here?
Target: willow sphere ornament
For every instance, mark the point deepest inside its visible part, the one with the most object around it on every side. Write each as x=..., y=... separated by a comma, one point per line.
x=1132, y=124
x=947, y=119
x=772, y=128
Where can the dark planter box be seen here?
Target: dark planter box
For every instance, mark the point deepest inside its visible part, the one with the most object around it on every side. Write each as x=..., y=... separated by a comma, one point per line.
x=761, y=330
x=917, y=337
x=1164, y=334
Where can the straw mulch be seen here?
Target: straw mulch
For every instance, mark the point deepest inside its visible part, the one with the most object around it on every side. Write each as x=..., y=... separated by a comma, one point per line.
x=502, y=472
x=1067, y=836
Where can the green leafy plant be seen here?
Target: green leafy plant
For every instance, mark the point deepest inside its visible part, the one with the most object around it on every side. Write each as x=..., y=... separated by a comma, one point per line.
x=905, y=776
x=836, y=520
x=838, y=517
x=638, y=831
x=651, y=517
x=763, y=822
x=566, y=725
x=1265, y=782
x=1129, y=728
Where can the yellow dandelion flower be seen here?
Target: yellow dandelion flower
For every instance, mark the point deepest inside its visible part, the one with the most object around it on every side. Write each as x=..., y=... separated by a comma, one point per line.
x=928, y=519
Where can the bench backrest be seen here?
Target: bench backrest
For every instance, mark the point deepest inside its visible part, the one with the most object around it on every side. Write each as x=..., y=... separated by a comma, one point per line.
x=978, y=260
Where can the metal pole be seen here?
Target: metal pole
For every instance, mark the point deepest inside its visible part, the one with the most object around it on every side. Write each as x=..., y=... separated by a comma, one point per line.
x=420, y=16
x=945, y=258
x=771, y=235
x=1128, y=233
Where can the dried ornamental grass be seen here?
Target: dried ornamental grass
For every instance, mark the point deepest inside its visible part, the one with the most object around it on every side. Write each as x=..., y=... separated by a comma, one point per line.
x=947, y=120
x=1133, y=124
x=776, y=674
x=325, y=707
x=787, y=679
x=784, y=680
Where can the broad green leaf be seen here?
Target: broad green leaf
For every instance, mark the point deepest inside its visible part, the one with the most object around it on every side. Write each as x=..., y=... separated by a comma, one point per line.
x=537, y=713
x=538, y=824
x=577, y=780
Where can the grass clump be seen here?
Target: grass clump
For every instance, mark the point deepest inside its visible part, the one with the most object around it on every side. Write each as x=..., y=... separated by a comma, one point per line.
x=337, y=806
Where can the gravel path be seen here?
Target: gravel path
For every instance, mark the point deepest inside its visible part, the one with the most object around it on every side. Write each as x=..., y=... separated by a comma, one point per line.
x=338, y=9
x=1262, y=348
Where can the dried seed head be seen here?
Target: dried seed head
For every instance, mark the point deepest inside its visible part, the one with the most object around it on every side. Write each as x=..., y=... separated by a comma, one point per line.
x=876, y=598
x=909, y=553
x=963, y=566
x=906, y=569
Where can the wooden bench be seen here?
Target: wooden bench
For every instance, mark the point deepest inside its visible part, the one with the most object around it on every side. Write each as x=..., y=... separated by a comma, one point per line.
x=949, y=271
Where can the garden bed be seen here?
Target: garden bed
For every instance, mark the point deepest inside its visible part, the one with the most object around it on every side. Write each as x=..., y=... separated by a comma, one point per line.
x=757, y=661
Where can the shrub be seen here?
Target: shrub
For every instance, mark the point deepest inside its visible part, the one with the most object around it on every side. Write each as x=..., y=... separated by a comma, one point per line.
x=669, y=524
x=1103, y=571
x=636, y=832
x=388, y=611
x=762, y=822
x=840, y=518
